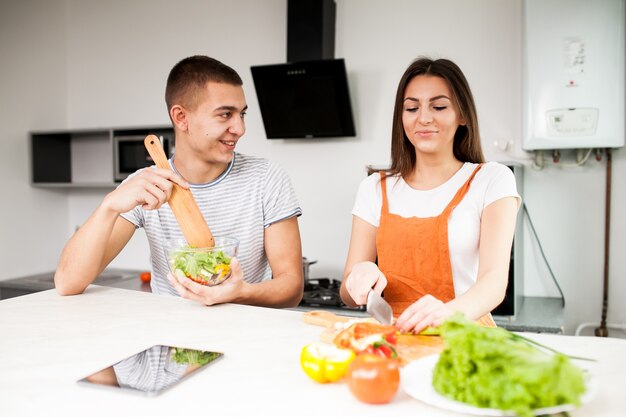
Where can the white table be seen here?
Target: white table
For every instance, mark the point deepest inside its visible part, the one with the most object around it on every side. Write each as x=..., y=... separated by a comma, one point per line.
x=48, y=342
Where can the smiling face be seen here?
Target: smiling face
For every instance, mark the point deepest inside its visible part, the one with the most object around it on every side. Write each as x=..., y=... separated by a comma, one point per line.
x=429, y=115
x=209, y=131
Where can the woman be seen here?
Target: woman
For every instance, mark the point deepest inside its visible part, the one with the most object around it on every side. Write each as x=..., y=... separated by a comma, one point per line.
x=440, y=222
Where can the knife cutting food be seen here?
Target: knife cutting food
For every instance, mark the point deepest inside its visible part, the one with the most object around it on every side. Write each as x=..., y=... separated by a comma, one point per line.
x=378, y=308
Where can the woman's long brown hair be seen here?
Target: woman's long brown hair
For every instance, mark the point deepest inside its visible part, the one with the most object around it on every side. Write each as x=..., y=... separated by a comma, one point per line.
x=466, y=147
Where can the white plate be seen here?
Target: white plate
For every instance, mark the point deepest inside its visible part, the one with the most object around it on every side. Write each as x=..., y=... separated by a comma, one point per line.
x=417, y=379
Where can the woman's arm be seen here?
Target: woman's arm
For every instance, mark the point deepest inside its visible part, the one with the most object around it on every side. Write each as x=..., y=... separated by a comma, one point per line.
x=496, y=237
x=361, y=273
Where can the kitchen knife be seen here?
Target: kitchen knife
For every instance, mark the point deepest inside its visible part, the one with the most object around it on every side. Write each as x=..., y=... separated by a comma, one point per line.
x=378, y=308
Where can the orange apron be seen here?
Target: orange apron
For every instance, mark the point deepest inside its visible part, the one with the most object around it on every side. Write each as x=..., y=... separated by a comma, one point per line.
x=414, y=254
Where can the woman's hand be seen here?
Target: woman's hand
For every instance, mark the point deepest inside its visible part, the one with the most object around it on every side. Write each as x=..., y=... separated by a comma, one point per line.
x=363, y=277
x=427, y=311
x=150, y=188
x=226, y=292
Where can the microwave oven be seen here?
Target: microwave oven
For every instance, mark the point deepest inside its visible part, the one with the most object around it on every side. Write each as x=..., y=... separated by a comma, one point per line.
x=130, y=154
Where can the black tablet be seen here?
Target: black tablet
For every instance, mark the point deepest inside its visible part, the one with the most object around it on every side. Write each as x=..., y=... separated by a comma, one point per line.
x=153, y=370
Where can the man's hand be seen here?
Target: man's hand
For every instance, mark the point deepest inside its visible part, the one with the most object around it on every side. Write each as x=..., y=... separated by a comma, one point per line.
x=150, y=188
x=226, y=292
x=363, y=277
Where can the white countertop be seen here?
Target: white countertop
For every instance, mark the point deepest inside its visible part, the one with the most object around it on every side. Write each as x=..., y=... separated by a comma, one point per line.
x=48, y=342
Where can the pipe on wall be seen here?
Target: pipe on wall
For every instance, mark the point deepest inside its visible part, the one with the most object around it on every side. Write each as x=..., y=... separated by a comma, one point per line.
x=613, y=326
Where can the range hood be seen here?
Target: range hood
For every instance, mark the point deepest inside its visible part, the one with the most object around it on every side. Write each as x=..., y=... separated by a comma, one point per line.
x=307, y=97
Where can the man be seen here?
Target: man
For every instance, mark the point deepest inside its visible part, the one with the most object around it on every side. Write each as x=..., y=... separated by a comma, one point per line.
x=248, y=198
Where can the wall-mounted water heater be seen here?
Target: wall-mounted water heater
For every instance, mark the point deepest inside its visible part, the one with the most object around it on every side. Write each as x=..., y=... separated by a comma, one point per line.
x=573, y=74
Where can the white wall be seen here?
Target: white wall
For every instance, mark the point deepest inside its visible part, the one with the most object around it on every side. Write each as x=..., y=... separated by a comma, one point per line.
x=32, y=97
x=112, y=69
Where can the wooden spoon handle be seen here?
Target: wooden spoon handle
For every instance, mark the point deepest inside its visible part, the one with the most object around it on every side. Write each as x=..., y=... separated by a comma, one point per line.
x=182, y=203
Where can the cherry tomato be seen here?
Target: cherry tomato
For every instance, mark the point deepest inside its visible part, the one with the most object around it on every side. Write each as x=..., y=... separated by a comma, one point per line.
x=385, y=351
x=145, y=276
x=391, y=338
x=373, y=379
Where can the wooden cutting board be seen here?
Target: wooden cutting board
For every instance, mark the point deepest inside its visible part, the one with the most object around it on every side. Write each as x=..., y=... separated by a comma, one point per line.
x=410, y=347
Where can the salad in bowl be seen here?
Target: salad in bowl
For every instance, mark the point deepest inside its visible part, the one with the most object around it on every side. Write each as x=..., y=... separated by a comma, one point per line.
x=206, y=266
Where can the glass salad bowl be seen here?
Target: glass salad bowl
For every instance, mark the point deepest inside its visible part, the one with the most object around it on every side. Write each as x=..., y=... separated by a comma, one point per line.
x=206, y=266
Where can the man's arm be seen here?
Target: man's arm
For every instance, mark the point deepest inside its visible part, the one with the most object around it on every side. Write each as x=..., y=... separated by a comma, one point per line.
x=105, y=233
x=284, y=253
x=90, y=250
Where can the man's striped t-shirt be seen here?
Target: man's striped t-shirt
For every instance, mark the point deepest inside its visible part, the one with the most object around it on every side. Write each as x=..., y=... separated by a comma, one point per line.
x=249, y=196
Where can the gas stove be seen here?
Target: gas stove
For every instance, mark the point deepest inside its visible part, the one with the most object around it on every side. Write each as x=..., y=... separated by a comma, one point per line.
x=324, y=293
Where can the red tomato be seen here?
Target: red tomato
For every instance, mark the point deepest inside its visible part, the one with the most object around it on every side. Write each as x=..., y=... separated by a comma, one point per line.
x=373, y=379
x=145, y=276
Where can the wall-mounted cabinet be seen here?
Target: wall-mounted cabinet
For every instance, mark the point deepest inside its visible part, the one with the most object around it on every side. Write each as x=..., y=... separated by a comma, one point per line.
x=89, y=158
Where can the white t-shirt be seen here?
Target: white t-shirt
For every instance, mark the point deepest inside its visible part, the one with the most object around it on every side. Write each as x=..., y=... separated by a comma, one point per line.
x=491, y=183
x=252, y=194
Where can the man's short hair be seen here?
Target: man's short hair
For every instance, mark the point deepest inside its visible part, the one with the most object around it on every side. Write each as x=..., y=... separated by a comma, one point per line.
x=188, y=79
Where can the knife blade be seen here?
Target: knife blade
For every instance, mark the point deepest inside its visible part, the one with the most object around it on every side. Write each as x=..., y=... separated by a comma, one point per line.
x=378, y=308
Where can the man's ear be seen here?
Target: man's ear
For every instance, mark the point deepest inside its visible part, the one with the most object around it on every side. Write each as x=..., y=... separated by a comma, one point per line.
x=179, y=117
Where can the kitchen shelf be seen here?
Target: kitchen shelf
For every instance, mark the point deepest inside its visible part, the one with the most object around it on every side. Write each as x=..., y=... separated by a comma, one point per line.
x=79, y=158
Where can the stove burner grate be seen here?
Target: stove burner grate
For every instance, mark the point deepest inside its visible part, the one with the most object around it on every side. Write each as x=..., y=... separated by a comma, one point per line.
x=324, y=292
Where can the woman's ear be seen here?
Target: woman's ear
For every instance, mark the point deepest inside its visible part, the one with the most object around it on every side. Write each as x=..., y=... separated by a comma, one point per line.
x=179, y=117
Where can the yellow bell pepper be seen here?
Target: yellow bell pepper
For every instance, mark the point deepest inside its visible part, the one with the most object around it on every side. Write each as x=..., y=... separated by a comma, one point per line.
x=324, y=362
x=222, y=269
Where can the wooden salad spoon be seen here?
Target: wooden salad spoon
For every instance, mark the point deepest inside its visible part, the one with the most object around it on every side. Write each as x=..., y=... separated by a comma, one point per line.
x=182, y=203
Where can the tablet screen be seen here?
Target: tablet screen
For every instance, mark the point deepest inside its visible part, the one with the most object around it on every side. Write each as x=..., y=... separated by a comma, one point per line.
x=153, y=370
